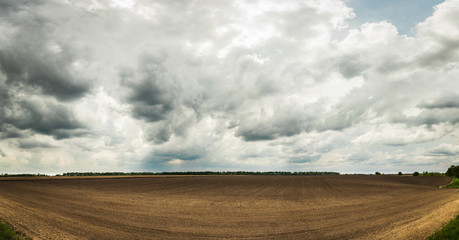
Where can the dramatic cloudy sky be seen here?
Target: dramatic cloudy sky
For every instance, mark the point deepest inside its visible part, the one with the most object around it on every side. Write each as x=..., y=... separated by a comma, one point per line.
x=301, y=85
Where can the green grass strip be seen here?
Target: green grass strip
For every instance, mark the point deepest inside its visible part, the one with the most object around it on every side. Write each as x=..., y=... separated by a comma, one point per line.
x=6, y=233
x=449, y=232
x=454, y=184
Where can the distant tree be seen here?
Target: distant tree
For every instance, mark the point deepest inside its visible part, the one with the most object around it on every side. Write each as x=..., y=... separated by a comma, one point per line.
x=453, y=171
x=416, y=174
x=400, y=173
x=377, y=173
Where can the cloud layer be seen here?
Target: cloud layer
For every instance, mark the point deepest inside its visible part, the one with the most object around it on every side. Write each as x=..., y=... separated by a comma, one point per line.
x=226, y=85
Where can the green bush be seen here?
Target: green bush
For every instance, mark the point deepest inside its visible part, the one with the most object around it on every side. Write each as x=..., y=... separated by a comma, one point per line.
x=400, y=173
x=416, y=174
x=377, y=173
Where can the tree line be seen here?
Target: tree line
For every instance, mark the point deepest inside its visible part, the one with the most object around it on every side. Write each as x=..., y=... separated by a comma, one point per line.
x=428, y=174
x=23, y=175
x=452, y=171
x=196, y=173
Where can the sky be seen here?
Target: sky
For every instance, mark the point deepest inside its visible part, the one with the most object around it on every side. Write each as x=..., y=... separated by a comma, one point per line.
x=404, y=14
x=353, y=86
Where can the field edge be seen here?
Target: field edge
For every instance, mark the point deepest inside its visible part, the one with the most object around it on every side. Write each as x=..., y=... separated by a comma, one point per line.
x=449, y=231
x=7, y=232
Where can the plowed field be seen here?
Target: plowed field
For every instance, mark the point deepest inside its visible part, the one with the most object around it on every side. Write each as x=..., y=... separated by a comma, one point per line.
x=228, y=207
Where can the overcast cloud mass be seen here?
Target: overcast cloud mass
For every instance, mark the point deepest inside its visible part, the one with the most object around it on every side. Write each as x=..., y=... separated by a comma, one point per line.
x=132, y=85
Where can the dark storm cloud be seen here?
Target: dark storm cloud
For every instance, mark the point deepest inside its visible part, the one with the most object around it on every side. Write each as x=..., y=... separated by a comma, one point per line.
x=30, y=69
x=285, y=122
x=9, y=131
x=149, y=91
x=26, y=71
x=32, y=60
x=35, y=71
x=43, y=117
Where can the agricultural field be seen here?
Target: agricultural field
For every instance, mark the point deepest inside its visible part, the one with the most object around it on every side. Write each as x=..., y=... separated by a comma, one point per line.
x=228, y=207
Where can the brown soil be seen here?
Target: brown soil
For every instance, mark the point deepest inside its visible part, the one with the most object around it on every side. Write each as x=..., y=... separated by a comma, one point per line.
x=235, y=207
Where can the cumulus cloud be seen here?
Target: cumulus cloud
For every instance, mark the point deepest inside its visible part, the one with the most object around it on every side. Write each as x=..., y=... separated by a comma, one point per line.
x=260, y=85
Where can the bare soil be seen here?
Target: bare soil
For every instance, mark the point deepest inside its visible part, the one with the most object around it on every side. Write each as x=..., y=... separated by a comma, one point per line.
x=228, y=207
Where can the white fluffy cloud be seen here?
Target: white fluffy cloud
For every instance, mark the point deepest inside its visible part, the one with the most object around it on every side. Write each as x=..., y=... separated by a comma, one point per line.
x=223, y=85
